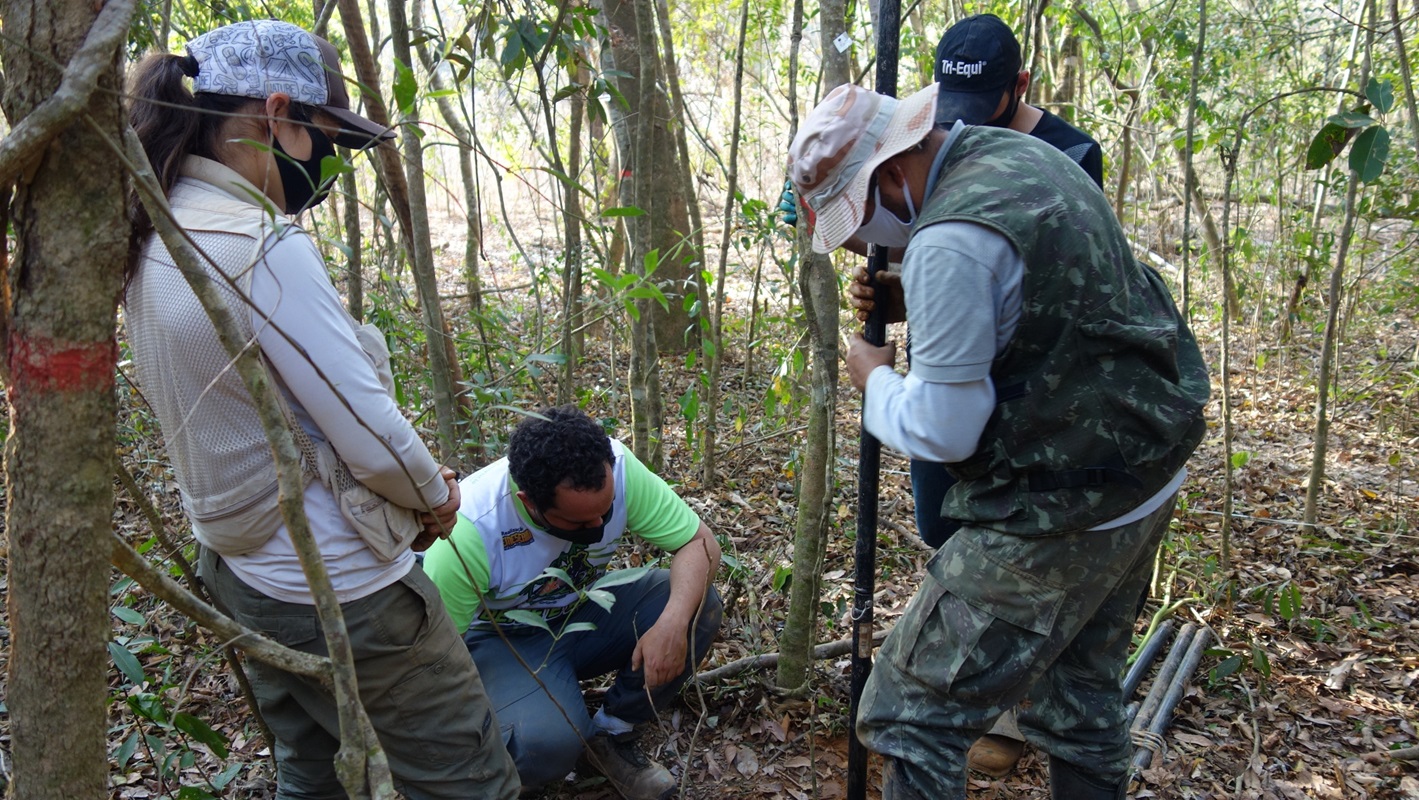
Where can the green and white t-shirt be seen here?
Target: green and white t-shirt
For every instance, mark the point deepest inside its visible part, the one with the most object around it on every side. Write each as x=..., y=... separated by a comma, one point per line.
x=496, y=547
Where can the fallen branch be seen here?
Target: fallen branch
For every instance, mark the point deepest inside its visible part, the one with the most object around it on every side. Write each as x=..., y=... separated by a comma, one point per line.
x=157, y=581
x=828, y=650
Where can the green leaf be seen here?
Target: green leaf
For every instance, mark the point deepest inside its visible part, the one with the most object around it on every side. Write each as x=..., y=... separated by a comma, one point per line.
x=1327, y=145
x=332, y=166
x=602, y=598
x=1260, y=661
x=561, y=575
x=651, y=262
x=1227, y=667
x=512, y=57
x=566, y=181
x=623, y=211
x=148, y=706
x=126, y=663
x=201, y=731
x=567, y=91
x=525, y=617
x=782, y=576
x=690, y=404
x=221, y=779
x=1240, y=459
x=648, y=292
x=406, y=89
x=620, y=577
x=194, y=793
x=128, y=615
x=1370, y=152
x=1351, y=119
x=1288, y=603
x=125, y=751
x=576, y=627
x=1380, y=94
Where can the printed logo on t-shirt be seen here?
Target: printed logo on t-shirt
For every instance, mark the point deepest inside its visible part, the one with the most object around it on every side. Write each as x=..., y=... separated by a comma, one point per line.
x=517, y=537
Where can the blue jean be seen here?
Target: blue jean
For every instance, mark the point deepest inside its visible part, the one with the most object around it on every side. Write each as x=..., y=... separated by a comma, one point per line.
x=930, y=481
x=545, y=725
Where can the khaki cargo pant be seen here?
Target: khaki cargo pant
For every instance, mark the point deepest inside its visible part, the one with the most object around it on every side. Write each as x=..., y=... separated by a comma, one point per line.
x=417, y=683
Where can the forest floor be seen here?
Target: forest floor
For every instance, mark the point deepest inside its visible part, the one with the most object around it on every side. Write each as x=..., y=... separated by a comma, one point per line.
x=1311, y=685
x=1312, y=681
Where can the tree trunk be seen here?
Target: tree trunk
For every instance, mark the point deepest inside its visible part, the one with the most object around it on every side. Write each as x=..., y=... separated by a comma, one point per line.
x=443, y=365
x=354, y=269
x=1189, y=177
x=699, y=318
x=716, y=350
x=667, y=207
x=647, y=423
x=572, y=316
x=1406, y=81
x=71, y=241
x=1334, y=304
x=819, y=288
x=473, y=239
x=1322, y=190
x=444, y=373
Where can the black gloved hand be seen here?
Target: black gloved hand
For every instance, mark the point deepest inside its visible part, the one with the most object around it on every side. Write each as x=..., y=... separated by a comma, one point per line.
x=788, y=204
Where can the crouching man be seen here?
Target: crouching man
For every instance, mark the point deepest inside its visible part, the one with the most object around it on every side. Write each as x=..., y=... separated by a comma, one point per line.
x=536, y=530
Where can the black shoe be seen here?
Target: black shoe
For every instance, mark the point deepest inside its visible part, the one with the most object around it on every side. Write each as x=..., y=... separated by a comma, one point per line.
x=1070, y=782
x=895, y=783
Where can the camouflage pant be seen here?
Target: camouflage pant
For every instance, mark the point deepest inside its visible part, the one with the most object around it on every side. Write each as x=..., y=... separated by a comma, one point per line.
x=1002, y=619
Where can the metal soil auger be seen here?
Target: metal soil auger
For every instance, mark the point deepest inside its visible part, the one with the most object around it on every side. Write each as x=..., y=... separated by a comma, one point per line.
x=1150, y=717
x=1156, y=711
x=870, y=451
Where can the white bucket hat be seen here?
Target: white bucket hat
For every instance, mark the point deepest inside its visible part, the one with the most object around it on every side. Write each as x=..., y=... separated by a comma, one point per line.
x=841, y=143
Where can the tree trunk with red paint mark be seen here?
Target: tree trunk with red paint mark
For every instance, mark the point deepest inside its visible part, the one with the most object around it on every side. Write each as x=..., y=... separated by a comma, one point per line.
x=65, y=276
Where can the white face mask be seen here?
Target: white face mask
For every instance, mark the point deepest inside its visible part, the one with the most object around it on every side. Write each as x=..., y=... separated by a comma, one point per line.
x=886, y=228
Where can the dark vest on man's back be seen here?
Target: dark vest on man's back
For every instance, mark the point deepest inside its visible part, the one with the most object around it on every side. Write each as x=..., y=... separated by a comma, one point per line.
x=1100, y=390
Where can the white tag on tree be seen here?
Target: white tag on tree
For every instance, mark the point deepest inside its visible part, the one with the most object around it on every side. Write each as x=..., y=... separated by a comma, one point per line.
x=842, y=42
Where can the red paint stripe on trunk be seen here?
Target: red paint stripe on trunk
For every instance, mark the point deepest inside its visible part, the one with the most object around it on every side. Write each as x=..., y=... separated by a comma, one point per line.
x=40, y=365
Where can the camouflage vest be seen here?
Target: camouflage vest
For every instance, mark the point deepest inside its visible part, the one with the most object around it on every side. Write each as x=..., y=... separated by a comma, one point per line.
x=1101, y=389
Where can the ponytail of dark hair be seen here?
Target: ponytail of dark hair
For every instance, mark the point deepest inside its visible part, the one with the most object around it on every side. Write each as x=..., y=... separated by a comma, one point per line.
x=172, y=123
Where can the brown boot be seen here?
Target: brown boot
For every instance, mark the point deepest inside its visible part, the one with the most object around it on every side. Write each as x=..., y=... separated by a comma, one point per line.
x=995, y=755
x=633, y=774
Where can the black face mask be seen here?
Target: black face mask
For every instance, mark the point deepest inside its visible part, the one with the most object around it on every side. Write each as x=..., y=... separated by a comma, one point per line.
x=301, y=177
x=1003, y=121
x=583, y=536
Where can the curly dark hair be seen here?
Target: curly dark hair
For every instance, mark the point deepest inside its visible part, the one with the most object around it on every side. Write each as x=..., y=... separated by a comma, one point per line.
x=562, y=444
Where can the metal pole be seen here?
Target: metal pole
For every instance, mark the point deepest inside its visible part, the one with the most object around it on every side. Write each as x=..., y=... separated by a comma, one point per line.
x=1146, y=654
x=870, y=450
x=1158, y=721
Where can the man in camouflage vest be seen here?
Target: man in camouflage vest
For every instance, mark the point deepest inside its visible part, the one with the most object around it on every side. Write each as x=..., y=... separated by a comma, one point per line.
x=1054, y=375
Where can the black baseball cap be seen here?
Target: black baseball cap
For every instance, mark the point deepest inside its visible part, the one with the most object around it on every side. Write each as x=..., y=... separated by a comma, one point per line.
x=977, y=59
